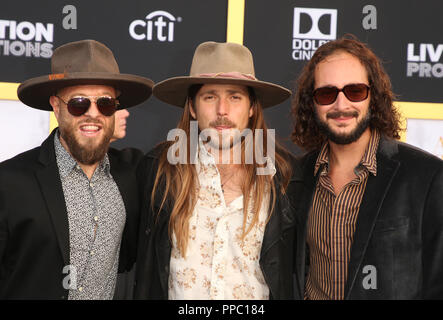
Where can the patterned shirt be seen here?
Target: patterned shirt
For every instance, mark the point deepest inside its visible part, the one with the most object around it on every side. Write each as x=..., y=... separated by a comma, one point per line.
x=331, y=225
x=218, y=264
x=96, y=217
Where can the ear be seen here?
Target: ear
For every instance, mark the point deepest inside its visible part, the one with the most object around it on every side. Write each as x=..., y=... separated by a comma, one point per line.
x=191, y=109
x=55, y=103
x=251, y=110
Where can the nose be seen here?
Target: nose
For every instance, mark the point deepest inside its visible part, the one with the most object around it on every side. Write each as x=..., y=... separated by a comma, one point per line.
x=342, y=102
x=93, y=111
x=222, y=107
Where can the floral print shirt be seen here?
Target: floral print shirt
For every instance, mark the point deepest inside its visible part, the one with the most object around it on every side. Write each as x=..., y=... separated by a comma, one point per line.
x=218, y=263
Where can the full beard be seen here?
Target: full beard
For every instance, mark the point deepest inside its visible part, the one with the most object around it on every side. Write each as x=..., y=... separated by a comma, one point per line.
x=86, y=154
x=345, y=138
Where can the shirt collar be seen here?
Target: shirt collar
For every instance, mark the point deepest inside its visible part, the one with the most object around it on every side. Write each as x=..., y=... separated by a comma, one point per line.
x=204, y=157
x=66, y=163
x=368, y=161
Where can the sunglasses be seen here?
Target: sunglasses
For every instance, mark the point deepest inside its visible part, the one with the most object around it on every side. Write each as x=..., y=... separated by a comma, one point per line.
x=78, y=106
x=354, y=92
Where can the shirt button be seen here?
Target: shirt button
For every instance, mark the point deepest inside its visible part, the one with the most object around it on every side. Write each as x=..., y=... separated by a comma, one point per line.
x=95, y=218
x=91, y=184
x=91, y=252
x=80, y=289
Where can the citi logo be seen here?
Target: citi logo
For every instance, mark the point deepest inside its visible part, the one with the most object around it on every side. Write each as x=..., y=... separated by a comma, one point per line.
x=161, y=21
x=312, y=27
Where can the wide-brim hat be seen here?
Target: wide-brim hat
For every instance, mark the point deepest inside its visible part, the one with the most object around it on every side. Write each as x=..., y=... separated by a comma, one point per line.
x=85, y=62
x=220, y=63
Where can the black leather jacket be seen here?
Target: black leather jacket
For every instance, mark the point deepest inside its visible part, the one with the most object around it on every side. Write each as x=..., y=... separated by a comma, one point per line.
x=276, y=258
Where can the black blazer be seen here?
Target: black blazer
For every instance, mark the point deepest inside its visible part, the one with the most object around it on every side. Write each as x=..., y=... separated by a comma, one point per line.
x=34, y=232
x=399, y=227
x=277, y=253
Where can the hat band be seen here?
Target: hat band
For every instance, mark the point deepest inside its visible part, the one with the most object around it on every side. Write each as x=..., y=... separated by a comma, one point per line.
x=233, y=75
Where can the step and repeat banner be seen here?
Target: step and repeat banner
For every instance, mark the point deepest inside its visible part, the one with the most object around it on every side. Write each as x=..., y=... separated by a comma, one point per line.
x=156, y=39
x=406, y=35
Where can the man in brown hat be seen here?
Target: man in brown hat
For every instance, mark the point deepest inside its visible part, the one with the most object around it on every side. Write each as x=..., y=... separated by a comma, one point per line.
x=69, y=208
x=217, y=228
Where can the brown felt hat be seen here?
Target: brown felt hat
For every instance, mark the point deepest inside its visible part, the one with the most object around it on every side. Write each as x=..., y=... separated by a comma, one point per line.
x=220, y=63
x=82, y=63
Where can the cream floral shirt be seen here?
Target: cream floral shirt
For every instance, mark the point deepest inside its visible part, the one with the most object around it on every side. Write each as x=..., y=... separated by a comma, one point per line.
x=218, y=264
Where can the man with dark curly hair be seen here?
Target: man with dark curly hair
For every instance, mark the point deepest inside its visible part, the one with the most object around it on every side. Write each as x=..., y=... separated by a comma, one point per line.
x=370, y=207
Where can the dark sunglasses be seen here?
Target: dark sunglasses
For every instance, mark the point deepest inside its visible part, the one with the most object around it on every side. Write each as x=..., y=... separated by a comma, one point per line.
x=354, y=92
x=79, y=105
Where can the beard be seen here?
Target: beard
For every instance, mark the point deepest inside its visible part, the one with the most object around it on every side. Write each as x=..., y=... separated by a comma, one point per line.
x=87, y=154
x=344, y=138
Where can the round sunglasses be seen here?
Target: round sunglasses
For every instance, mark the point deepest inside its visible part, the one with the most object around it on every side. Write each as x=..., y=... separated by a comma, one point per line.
x=78, y=106
x=355, y=92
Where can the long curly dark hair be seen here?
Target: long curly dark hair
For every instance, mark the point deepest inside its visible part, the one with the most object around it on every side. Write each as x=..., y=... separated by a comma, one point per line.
x=384, y=115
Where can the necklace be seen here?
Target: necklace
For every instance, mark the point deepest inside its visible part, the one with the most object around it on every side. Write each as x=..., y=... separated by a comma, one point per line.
x=226, y=181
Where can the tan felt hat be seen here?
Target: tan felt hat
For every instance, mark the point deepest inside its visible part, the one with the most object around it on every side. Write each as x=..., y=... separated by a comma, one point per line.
x=220, y=63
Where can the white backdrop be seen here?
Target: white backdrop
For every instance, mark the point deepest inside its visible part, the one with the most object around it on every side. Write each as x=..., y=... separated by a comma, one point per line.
x=426, y=134
x=21, y=128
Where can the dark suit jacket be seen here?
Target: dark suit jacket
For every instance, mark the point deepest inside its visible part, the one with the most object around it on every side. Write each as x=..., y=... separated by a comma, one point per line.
x=34, y=232
x=399, y=227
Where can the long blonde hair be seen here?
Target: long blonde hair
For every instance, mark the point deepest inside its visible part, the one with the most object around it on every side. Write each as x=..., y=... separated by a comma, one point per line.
x=177, y=180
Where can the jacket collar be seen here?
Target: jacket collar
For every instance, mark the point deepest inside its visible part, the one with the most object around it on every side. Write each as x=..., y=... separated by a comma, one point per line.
x=368, y=160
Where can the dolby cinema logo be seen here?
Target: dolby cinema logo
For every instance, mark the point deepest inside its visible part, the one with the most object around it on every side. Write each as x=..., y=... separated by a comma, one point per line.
x=312, y=27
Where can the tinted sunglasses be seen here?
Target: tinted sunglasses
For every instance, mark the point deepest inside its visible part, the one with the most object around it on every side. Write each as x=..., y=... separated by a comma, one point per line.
x=354, y=92
x=78, y=106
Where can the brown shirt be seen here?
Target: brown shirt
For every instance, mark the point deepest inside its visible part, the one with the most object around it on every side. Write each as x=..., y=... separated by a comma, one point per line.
x=331, y=224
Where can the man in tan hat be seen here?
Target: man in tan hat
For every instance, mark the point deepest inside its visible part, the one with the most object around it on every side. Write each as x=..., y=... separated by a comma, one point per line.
x=69, y=208
x=217, y=228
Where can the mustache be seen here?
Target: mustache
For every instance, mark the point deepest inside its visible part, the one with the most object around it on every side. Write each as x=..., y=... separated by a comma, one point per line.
x=341, y=114
x=91, y=121
x=222, y=122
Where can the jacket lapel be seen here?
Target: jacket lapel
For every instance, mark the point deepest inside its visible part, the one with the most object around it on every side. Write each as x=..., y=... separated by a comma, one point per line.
x=163, y=247
x=51, y=187
x=277, y=224
x=375, y=192
x=305, y=201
